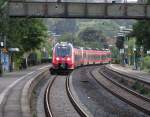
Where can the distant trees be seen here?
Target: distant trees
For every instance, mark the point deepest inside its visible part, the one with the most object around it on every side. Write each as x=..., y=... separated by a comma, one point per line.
x=67, y=37
x=65, y=26
x=94, y=37
x=90, y=34
x=120, y=42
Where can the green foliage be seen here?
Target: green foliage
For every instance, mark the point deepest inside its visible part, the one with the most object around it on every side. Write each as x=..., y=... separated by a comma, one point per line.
x=64, y=25
x=17, y=60
x=108, y=27
x=48, y=47
x=120, y=42
x=91, y=34
x=28, y=34
x=71, y=38
x=67, y=37
x=92, y=38
x=2, y=3
x=114, y=51
x=131, y=43
x=141, y=31
x=147, y=62
x=140, y=88
x=23, y=33
x=39, y=55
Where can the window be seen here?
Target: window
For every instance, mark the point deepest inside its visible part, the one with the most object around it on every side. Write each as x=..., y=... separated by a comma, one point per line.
x=63, y=51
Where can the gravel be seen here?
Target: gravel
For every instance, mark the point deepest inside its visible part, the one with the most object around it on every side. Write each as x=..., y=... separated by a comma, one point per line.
x=60, y=103
x=100, y=102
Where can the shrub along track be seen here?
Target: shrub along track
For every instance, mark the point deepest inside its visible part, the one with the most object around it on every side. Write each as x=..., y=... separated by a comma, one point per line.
x=124, y=93
x=135, y=82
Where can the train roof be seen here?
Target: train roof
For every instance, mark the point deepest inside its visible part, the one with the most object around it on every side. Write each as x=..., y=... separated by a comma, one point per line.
x=84, y=49
x=63, y=44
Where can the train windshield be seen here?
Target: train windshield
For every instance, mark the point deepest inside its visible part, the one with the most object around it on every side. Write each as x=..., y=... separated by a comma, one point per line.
x=63, y=51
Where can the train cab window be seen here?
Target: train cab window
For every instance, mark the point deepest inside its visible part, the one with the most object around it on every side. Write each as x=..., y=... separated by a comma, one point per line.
x=63, y=51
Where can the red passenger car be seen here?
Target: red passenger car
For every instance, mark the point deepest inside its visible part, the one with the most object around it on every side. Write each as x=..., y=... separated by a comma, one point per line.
x=66, y=57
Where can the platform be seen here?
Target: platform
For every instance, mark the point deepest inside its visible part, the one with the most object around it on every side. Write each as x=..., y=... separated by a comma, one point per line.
x=129, y=71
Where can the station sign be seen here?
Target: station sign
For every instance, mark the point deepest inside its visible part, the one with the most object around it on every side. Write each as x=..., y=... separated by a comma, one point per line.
x=148, y=52
x=14, y=49
x=121, y=51
x=125, y=46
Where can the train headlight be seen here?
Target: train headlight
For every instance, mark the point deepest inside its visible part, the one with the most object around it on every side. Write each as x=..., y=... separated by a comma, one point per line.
x=68, y=59
x=57, y=58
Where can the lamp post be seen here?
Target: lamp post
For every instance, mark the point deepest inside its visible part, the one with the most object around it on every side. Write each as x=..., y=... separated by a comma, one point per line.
x=1, y=69
x=135, y=65
x=141, y=52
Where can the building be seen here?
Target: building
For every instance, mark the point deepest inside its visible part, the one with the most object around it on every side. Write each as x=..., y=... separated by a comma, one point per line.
x=142, y=1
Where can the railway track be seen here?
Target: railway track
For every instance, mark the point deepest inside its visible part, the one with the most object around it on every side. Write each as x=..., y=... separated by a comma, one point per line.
x=131, y=97
x=144, y=81
x=47, y=106
x=51, y=109
x=130, y=82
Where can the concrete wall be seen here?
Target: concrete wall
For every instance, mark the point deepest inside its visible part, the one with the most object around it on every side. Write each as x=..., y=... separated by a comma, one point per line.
x=80, y=10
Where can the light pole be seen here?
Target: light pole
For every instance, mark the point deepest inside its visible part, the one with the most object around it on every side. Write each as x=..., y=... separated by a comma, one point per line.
x=135, y=65
x=1, y=69
x=141, y=52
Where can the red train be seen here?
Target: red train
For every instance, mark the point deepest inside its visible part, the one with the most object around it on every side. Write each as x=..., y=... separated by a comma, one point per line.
x=66, y=57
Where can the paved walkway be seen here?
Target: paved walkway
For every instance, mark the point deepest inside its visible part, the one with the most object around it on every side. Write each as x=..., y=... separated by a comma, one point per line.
x=127, y=70
x=10, y=77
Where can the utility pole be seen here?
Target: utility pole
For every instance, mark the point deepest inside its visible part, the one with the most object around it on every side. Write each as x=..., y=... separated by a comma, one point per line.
x=1, y=46
x=141, y=60
x=135, y=64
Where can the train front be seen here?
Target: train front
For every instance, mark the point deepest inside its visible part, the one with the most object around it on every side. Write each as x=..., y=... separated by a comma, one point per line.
x=62, y=57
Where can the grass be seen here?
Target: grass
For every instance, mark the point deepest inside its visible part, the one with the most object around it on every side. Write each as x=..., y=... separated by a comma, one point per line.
x=137, y=86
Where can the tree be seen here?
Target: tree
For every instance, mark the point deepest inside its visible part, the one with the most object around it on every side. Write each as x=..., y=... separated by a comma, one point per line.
x=141, y=31
x=93, y=37
x=71, y=38
x=120, y=42
x=2, y=3
x=3, y=17
x=91, y=34
x=64, y=26
x=67, y=37
x=25, y=34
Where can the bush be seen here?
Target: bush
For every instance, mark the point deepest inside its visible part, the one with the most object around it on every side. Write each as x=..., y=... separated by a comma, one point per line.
x=115, y=61
x=146, y=62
